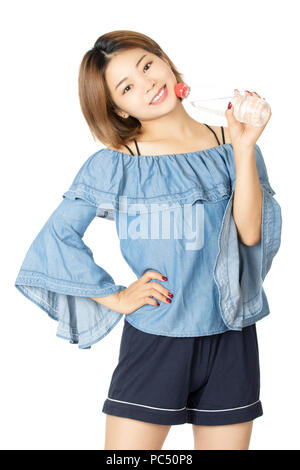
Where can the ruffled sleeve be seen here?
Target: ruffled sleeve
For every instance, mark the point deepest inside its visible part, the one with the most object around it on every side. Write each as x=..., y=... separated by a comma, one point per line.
x=241, y=269
x=60, y=275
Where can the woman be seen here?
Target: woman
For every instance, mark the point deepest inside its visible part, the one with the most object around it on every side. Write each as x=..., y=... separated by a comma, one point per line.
x=194, y=357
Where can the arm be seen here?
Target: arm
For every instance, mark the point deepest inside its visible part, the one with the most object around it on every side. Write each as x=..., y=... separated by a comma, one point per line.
x=247, y=200
x=59, y=275
x=248, y=196
x=110, y=301
x=240, y=268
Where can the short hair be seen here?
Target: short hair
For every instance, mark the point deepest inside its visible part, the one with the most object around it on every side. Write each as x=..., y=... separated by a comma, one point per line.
x=96, y=102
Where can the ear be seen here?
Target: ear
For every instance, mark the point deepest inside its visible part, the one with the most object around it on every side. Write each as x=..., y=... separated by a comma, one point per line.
x=120, y=113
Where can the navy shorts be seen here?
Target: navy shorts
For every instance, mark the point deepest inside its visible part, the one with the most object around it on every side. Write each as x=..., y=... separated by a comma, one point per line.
x=204, y=380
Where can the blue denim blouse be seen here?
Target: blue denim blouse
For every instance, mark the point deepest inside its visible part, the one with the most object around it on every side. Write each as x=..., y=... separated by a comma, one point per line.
x=174, y=215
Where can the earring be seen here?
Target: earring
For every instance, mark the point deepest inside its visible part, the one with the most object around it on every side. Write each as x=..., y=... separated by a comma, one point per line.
x=182, y=90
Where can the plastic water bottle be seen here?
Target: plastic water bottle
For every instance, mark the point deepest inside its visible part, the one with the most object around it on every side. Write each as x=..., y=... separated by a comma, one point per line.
x=247, y=108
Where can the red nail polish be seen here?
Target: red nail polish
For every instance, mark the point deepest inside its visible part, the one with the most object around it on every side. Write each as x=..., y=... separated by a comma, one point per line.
x=170, y=295
x=169, y=300
x=157, y=304
x=229, y=105
x=164, y=278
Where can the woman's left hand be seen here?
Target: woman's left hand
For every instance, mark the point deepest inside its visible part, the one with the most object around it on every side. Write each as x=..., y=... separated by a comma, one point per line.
x=243, y=135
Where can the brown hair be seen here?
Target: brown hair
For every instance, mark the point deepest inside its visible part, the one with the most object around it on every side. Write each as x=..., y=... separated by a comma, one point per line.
x=95, y=99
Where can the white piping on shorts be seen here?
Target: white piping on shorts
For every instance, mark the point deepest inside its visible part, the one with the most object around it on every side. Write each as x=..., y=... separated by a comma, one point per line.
x=228, y=409
x=180, y=409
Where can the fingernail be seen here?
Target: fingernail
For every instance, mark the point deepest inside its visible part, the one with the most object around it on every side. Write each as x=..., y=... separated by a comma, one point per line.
x=229, y=105
x=169, y=300
x=164, y=278
x=170, y=295
x=157, y=304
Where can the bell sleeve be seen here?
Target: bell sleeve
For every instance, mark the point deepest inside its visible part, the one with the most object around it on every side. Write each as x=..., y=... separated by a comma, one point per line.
x=59, y=274
x=241, y=269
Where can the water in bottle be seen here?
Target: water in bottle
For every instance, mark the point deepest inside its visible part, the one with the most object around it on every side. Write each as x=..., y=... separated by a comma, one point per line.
x=246, y=108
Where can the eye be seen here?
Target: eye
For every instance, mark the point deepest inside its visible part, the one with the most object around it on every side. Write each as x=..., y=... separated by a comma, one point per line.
x=130, y=85
x=147, y=64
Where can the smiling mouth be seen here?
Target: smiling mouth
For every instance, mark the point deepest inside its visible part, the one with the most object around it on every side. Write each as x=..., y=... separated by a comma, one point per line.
x=161, y=94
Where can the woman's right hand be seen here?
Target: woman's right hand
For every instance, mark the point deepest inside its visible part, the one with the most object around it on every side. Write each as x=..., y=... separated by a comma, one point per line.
x=139, y=293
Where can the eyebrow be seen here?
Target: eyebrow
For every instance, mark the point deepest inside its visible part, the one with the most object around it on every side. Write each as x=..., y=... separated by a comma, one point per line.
x=137, y=64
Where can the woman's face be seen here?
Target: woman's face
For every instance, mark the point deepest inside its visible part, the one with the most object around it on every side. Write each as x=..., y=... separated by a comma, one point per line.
x=144, y=75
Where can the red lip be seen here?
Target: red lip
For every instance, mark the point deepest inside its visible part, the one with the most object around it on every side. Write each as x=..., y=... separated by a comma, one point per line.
x=157, y=93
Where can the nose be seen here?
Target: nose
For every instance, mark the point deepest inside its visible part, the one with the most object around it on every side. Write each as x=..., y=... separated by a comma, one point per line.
x=150, y=87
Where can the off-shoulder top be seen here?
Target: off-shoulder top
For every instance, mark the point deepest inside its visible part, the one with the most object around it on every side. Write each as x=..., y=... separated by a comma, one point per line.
x=173, y=215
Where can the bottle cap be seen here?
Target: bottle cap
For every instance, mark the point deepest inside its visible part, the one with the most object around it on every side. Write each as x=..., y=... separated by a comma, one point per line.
x=182, y=90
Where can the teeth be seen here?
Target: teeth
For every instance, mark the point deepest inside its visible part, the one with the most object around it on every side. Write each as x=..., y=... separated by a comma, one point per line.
x=158, y=96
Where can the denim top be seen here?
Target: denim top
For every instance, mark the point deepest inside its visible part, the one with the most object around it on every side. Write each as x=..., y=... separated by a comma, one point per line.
x=174, y=215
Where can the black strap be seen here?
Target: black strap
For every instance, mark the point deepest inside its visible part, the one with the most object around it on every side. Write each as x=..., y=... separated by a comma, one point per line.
x=214, y=133
x=137, y=149
x=223, y=135
x=129, y=149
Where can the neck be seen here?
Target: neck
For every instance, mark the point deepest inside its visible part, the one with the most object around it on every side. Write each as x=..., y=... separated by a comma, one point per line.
x=176, y=125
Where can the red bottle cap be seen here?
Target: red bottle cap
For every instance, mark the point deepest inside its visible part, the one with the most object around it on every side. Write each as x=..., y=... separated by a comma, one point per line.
x=181, y=90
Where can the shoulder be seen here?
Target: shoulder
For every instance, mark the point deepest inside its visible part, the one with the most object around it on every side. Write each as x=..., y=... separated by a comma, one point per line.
x=99, y=162
x=149, y=145
x=122, y=149
x=218, y=131
x=113, y=148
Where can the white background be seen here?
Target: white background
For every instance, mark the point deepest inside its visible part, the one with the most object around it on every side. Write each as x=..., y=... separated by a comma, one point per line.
x=51, y=392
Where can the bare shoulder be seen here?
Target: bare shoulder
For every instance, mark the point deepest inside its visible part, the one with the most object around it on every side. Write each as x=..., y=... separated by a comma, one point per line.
x=227, y=135
x=218, y=131
x=113, y=148
x=120, y=149
x=123, y=148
